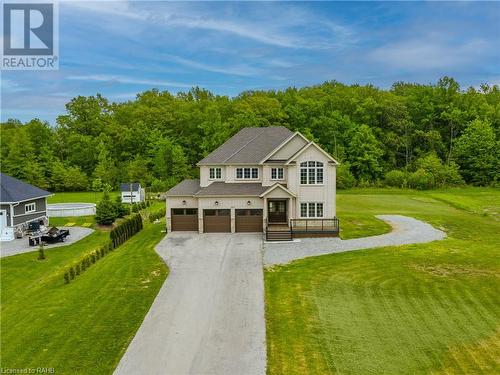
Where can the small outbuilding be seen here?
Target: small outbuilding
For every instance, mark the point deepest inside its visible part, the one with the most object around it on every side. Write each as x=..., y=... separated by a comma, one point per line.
x=132, y=192
x=21, y=204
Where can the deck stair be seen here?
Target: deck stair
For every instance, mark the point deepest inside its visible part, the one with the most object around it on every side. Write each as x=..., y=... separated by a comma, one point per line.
x=278, y=232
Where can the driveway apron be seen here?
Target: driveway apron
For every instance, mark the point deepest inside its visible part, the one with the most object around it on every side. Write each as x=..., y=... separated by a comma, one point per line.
x=208, y=317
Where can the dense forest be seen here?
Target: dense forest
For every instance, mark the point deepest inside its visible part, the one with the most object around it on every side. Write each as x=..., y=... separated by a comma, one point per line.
x=414, y=135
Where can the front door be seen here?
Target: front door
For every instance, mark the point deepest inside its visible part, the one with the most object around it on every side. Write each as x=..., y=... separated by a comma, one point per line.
x=276, y=211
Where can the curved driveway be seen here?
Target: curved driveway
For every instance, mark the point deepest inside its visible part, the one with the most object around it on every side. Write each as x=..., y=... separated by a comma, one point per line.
x=208, y=317
x=405, y=230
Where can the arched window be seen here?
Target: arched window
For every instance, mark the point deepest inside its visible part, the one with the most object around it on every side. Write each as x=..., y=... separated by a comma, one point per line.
x=311, y=173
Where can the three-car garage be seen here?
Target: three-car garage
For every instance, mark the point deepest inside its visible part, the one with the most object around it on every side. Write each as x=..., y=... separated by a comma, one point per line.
x=217, y=220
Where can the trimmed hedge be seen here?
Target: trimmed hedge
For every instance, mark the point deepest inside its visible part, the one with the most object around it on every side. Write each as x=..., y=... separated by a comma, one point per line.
x=122, y=232
x=126, y=229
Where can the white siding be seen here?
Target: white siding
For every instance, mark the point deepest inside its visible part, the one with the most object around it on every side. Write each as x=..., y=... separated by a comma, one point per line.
x=266, y=174
x=205, y=174
x=314, y=193
x=231, y=173
x=289, y=149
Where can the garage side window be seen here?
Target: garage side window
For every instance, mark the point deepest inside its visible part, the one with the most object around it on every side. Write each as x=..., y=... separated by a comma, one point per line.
x=30, y=207
x=215, y=173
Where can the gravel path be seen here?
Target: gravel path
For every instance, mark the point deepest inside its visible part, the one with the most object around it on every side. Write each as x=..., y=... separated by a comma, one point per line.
x=405, y=230
x=208, y=317
x=21, y=245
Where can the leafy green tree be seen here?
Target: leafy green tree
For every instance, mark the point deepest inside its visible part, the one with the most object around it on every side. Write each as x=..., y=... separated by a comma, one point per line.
x=106, y=169
x=477, y=153
x=365, y=153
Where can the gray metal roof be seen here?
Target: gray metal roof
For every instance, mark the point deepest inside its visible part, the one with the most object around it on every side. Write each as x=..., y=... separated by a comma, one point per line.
x=185, y=188
x=248, y=146
x=231, y=189
x=14, y=190
x=134, y=186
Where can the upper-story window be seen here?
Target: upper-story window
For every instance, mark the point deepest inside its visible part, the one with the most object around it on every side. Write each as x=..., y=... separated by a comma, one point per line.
x=247, y=173
x=30, y=207
x=276, y=173
x=311, y=209
x=311, y=173
x=215, y=173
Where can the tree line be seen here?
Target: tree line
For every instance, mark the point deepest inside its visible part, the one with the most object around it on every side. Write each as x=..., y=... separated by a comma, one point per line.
x=436, y=132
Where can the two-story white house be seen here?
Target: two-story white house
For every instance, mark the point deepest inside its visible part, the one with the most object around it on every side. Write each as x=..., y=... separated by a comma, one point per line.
x=260, y=180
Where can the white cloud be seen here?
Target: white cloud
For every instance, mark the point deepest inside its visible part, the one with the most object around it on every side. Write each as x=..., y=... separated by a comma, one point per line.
x=127, y=80
x=238, y=70
x=276, y=26
x=428, y=53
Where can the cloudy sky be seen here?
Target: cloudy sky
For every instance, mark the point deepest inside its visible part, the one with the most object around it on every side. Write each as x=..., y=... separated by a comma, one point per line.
x=120, y=48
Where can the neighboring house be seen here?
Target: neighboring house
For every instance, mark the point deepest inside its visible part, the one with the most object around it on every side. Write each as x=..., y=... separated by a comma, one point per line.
x=132, y=193
x=260, y=180
x=20, y=204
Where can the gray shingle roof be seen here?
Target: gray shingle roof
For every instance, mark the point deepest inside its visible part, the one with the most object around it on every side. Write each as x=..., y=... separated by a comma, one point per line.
x=185, y=188
x=248, y=146
x=126, y=186
x=231, y=189
x=14, y=190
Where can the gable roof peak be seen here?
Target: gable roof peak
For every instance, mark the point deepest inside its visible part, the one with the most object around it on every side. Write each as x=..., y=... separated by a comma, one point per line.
x=248, y=146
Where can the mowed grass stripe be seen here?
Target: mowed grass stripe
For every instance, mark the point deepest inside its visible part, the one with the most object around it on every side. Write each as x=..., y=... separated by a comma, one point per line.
x=82, y=327
x=416, y=309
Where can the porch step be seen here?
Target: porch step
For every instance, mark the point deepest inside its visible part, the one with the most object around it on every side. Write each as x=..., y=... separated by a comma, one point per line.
x=282, y=235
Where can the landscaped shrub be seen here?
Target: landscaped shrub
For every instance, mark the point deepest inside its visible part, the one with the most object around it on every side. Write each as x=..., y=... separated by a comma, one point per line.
x=123, y=231
x=135, y=207
x=345, y=179
x=41, y=252
x=105, y=211
x=443, y=175
x=421, y=180
x=396, y=178
x=159, y=214
x=120, y=209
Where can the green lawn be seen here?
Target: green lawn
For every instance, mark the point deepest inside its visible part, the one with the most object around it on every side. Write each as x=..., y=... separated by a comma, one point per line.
x=79, y=197
x=83, y=327
x=416, y=309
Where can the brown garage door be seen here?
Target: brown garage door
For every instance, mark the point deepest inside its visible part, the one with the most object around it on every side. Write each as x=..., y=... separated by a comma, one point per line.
x=216, y=221
x=249, y=220
x=184, y=219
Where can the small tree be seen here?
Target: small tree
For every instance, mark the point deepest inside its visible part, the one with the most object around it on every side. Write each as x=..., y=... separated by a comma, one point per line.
x=105, y=211
x=41, y=252
x=66, y=277
x=97, y=186
x=120, y=208
x=71, y=273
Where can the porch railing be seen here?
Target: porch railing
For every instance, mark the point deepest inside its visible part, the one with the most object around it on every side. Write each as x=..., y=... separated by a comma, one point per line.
x=315, y=225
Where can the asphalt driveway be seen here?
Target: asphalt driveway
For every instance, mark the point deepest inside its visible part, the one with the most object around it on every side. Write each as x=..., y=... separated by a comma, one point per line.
x=208, y=317
x=20, y=245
